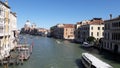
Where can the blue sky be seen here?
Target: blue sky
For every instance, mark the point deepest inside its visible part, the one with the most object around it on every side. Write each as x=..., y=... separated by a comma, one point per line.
x=47, y=13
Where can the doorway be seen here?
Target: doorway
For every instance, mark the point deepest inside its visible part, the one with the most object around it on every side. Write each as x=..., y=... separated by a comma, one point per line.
x=116, y=49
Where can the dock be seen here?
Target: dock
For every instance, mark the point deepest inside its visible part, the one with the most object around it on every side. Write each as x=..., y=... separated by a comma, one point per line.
x=24, y=52
x=18, y=56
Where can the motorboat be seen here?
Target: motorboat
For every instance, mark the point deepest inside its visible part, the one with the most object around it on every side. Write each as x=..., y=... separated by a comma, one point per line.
x=58, y=41
x=85, y=44
x=90, y=61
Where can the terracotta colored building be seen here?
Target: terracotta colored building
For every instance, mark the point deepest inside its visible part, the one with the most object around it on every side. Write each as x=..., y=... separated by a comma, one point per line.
x=69, y=31
x=63, y=31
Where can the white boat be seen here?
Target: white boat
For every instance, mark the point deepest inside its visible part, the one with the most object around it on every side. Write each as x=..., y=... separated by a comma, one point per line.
x=85, y=44
x=58, y=41
x=90, y=61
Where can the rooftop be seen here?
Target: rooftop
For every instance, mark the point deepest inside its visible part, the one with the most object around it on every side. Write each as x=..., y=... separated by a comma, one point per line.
x=96, y=21
x=4, y=4
x=68, y=25
x=113, y=19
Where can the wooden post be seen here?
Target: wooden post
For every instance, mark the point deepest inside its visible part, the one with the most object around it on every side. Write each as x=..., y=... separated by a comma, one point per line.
x=6, y=65
x=22, y=58
x=21, y=61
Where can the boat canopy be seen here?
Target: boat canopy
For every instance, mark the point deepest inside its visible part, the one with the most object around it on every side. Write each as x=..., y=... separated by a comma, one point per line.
x=95, y=61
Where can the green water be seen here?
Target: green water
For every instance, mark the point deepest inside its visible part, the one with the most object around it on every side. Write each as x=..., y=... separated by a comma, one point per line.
x=49, y=53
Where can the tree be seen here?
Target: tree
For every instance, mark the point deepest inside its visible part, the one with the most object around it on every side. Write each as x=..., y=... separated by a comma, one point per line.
x=100, y=40
x=91, y=39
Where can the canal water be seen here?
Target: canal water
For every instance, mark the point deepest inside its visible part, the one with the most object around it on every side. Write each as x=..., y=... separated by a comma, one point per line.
x=54, y=53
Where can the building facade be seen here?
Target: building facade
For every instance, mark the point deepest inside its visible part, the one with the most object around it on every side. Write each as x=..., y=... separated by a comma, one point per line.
x=94, y=28
x=77, y=30
x=7, y=19
x=57, y=31
x=13, y=30
x=42, y=31
x=63, y=31
x=4, y=29
x=69, y=31
x=111, y=40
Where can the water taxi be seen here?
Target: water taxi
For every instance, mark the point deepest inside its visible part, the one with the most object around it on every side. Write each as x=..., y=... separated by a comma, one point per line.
x=90, y=61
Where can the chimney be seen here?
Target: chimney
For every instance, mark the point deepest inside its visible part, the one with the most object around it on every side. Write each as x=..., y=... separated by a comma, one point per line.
x=110, y=16
x=15, y=14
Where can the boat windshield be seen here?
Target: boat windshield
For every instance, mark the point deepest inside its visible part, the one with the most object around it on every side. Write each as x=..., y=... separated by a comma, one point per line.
x=85, y=43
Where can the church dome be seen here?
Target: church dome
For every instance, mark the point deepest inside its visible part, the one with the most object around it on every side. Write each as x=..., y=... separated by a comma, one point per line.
x=28, y=23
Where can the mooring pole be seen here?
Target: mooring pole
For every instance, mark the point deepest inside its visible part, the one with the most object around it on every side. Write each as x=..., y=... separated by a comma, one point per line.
x=6, y=65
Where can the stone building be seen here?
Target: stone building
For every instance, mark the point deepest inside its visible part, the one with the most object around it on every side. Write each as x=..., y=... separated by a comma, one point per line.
x=111, y=40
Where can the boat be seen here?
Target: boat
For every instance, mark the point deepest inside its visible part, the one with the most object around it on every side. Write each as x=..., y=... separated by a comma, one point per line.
x=58, y=41
x=90, y=61
x=85, y=44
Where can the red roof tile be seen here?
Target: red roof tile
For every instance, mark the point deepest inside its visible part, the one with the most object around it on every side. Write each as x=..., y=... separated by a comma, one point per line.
x=68, y=25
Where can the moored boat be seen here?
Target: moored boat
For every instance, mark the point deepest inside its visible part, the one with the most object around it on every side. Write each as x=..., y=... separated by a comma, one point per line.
x=58, y=41
x=90, y=61
x=85, y=44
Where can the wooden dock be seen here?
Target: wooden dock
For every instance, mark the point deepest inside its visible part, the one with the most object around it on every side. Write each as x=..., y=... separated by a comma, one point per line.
x=24, y=52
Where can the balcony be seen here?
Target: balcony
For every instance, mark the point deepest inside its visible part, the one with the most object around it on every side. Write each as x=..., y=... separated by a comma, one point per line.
x=115, y=26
